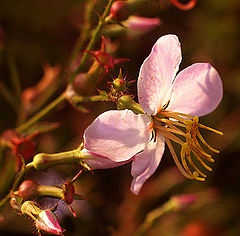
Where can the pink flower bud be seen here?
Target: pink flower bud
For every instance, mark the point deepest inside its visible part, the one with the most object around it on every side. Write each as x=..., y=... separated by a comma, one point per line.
x=185, y=200
x=47, y=221
x=119, y=10
x=28, y=189
x=141, y=23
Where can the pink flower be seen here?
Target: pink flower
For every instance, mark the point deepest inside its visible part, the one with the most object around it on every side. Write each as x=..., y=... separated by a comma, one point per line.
x=170, y=101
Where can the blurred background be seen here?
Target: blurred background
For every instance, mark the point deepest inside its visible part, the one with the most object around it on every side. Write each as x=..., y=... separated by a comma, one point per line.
x=37, y=37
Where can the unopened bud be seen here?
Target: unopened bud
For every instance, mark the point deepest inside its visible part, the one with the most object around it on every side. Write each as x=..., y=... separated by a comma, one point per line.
x=48, y=222
x=120, y=84
x=119, y=11
x=184, y=200
x=28, y=189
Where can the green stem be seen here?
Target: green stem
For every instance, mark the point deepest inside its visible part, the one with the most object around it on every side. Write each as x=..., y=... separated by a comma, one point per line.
x=155, y=214
x=92, y=41
x=97, y=98
x=50, y=191
x=84, y=32
x=5, y=200
x=41, y=114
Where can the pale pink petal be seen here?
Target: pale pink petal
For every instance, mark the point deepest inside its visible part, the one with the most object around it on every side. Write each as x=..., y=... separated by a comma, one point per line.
x=118, y=135
x=95, y=161
x=197, y=90
x=157, y=73
x=146, y=162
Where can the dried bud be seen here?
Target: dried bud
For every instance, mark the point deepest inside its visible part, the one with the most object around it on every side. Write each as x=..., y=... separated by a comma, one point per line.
x=20, y=145
x=105, y=59
x=119, y=11
x=68, y=191
x=31, y=209
x=28, y=189
x=48, y=222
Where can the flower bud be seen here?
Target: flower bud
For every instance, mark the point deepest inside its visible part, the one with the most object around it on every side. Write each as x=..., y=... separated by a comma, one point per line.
x=138, y=25
x=119, y=11
x=48, y=222
x=184, y=200
x=28, y=189
x=119, y=84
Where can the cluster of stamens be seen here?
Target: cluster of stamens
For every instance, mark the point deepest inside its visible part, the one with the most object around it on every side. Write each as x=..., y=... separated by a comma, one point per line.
x=184, y=130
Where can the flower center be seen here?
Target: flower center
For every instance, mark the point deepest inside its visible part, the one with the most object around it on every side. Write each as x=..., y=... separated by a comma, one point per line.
x=184, y=130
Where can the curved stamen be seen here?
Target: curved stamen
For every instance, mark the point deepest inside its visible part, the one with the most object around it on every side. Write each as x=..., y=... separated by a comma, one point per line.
x=176, y=160
x=170, y=125
x=205, y=143
x=167, y=121
x=188, y=154
x=170, y=130
x=201, y=161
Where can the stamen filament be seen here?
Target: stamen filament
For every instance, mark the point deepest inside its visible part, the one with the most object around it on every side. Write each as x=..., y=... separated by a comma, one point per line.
x=197, y=147
x=185, y=152
x=177, y=113
x=201, y=161
x=203, y=154
x=205, y=143
x=171, y=136
x=171, y=122
x=180, y=132
x=175, y=116
x=194, y=166
x=210, y=129
x=176, y=159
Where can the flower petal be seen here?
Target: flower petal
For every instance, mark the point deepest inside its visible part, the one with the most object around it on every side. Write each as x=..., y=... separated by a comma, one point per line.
x=146, y=162
x=197, y=90
x=118, y=135
x=157, y=73
x=99, y=162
